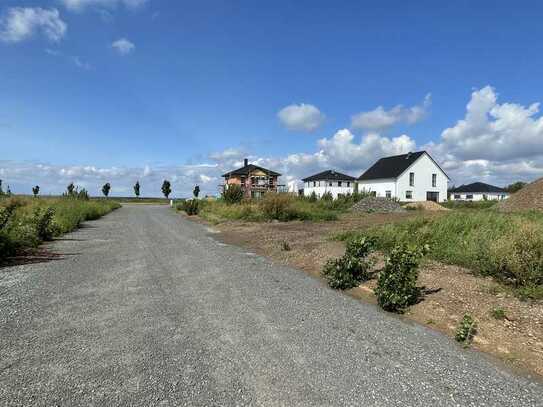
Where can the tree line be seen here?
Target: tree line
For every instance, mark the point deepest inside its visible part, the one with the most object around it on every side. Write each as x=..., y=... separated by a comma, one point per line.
x=72, y=190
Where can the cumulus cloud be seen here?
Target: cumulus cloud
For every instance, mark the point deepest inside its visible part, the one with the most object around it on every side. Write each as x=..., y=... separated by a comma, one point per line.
x=302, y=117
x=381, y=119
x=123, y=46
x=78, y=5
x=22, y=23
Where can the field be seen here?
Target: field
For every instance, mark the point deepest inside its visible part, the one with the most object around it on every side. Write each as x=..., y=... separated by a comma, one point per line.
x=26, y=222
x=481, y=262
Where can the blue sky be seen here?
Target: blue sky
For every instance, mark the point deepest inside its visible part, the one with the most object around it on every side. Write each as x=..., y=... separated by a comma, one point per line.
x=118, y=90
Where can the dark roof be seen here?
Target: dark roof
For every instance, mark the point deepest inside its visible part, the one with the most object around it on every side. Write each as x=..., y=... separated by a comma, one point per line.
x=245, y=170
x=478, y=187
x=329, y=175
x=391, y=167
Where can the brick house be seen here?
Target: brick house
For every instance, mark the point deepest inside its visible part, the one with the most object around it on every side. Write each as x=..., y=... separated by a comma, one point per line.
x=255, y=181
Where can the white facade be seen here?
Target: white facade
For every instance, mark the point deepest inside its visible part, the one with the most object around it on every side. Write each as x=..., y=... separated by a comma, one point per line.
x=334, y=187
x=422, y=181
x=479, y=196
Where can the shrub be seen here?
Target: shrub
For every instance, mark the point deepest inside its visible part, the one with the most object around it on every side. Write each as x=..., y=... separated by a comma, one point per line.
x=233, y=194
x=285, y=246
x=276, y=205
x=352, y=268
x=397, y=284
x=42, y=219
x=313, y=197
x=466, y=330
x=327, y=196
x=191, y=207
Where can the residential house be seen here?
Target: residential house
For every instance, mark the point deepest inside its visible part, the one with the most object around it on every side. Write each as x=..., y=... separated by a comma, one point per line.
x=478, y=191
x=330, y=181
x=408, y=177
x=254, y=180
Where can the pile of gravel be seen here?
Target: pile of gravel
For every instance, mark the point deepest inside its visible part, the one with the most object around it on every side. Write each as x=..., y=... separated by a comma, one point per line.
x=376, y=204
x=529, y=197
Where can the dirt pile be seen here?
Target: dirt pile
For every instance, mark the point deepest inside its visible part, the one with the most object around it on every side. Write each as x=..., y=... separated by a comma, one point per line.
x=529, y=197
x=425, y=206
x=376, y=204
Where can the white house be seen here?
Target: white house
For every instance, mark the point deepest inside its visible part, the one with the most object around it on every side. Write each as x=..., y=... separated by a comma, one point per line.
x=329, y=181
x=408, y=177
x=478, y=191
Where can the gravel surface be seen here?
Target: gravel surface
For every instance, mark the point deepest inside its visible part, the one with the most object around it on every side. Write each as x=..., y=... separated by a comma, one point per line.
x=146, y=308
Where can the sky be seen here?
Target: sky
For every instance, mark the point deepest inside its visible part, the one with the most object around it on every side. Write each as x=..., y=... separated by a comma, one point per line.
x=95, y=91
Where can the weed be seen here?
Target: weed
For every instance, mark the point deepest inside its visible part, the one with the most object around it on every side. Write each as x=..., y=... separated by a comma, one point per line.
x=466, y=330
x=498, y=313
x=285, y=246
x=233, y=194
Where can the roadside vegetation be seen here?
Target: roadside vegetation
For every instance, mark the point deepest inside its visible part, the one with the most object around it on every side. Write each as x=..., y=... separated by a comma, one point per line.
x=508, y=247
x=26, y=222
x=280, y=206
x=469, y=204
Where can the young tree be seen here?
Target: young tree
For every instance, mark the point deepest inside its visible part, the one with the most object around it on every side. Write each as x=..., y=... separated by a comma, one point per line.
x=196, y=191
x=137, y=189
x=166, y=188
x=1, y=190
x=36, y=190
x=514, y=187
x=106, y=188
x=8, y=191
x=70, y=189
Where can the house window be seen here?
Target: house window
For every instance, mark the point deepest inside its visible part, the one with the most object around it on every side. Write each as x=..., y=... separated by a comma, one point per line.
x=373, y=193
x=314, y=183
x=457, y=196
x=411, y=179
x=348, y=184
x=339, y=183
x=408, y=194
x=469, y=196
x=388, y=194
x=434, y=180
x=329, y=184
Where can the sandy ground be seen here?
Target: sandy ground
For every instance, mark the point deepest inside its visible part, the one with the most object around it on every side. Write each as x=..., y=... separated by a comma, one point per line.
x=451, y=291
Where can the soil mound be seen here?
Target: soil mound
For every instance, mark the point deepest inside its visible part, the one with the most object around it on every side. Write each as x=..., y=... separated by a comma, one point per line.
x=426, y=206
x=377, y=204
x=529, y=197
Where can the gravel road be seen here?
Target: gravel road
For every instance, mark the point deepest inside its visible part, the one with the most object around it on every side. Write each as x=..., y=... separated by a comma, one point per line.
x=145, y=308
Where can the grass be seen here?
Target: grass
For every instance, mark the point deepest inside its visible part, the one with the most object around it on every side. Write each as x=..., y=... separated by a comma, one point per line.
x=508, y=247
x=469, y=204
x=276, y=206
x=25, y=222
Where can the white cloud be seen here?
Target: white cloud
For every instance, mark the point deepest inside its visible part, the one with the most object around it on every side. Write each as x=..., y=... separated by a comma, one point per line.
x=123, y=46
x=78, y=5
x=302, y=117
x=21, y=23
x=380, y=119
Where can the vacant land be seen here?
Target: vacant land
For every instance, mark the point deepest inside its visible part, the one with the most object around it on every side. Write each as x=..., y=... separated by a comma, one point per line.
x=26, y=222
x=146, y=308
x=509, y=327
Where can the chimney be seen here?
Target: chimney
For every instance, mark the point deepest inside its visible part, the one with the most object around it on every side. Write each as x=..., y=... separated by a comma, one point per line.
x=245, y=162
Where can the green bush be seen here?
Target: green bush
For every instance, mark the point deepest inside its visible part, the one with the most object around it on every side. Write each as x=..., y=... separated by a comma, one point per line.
x=42, y=219
x=466, y=330
x=397, y=284
x=233, y=194
x=191, y=207
x=352, y=268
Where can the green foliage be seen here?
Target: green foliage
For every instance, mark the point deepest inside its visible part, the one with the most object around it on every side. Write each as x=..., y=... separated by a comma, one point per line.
x=191, y=207
x=327, y=196
x=70, y=189
x=137, y=188
x=508, y=247
x=498, y=313
x=313, y=197
x=196, y=191
x=466, y=330
x=352, y=268
x=42, y=220
x=469, y=204
x=233, y=194
x=36, y=190
x=514, y=187
x=106, y=188
x=26, y=222
x=1, y=190
x=397, y=284
x=166, y=188
x=285, y=246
